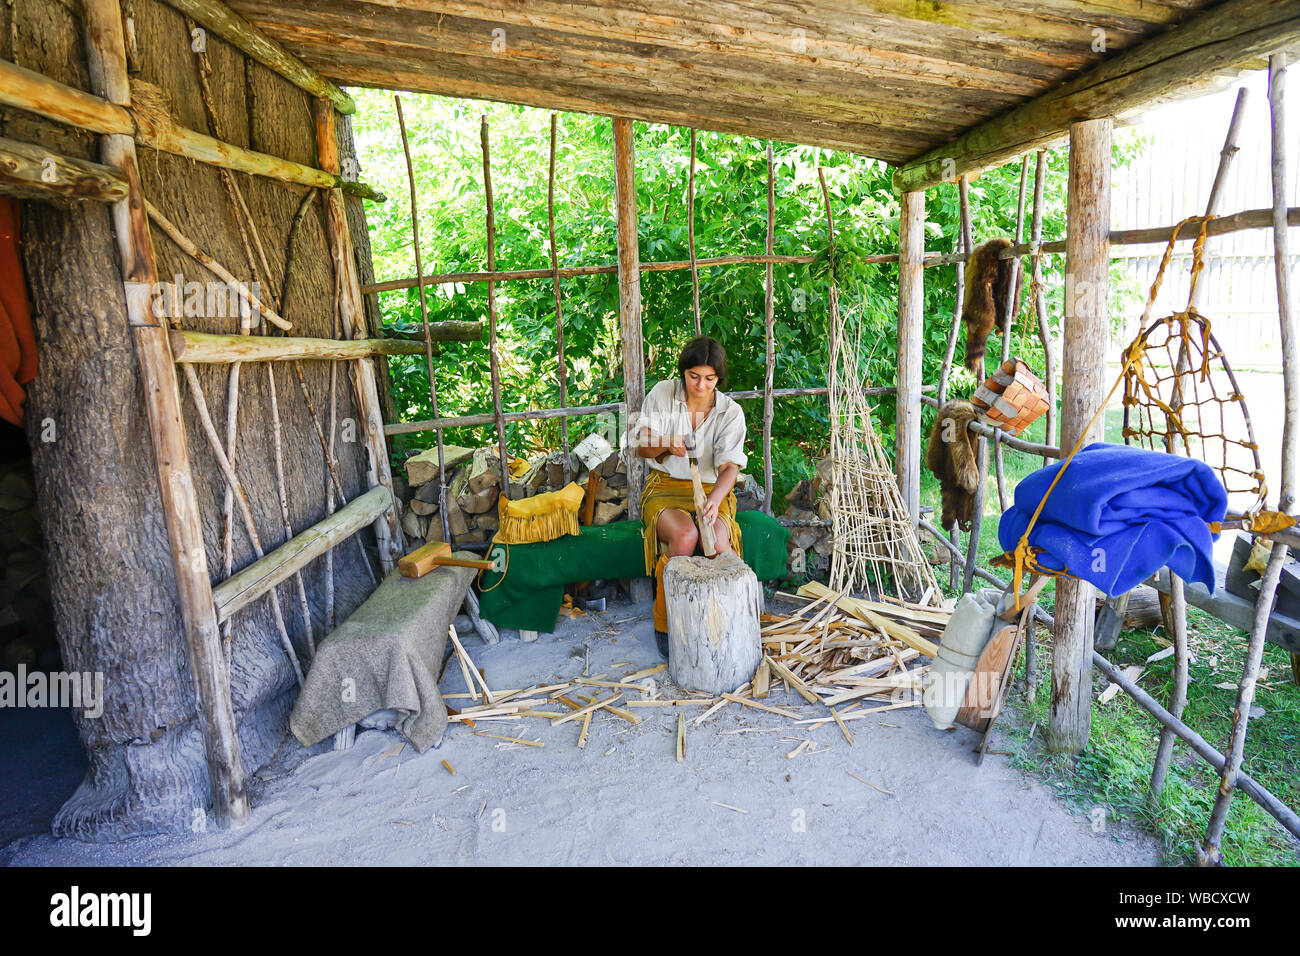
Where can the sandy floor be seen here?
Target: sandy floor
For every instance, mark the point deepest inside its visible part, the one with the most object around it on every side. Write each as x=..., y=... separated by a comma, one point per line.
x=625, y=798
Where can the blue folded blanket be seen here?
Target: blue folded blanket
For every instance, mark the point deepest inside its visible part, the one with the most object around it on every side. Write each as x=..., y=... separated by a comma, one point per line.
x=1119, y=514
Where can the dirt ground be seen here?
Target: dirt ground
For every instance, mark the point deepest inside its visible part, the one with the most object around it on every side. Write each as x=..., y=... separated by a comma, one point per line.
x=624, y=799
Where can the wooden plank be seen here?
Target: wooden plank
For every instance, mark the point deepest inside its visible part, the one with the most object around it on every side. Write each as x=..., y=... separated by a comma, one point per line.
x=238, y=32
x=201, y=348
x=1229, y=34
x=246, y=586
x=1084, y=376
x=207, y=664
x=748, y=69
x=911, y=344
x=29, y=171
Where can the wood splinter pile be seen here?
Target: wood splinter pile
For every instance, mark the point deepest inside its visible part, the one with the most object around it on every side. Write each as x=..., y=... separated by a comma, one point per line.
x=839, y=652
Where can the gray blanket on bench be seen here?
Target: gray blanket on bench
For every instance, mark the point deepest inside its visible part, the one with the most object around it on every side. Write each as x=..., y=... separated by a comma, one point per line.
x=386, y=655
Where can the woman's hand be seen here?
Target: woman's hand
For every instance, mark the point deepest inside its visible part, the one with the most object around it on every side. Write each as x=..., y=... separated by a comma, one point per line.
x=710, y=511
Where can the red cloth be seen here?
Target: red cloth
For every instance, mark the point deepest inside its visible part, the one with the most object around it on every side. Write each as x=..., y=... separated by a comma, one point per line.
x=17, y=340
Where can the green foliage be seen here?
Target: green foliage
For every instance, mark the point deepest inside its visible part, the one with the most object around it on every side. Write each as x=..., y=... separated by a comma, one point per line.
x=730, y=218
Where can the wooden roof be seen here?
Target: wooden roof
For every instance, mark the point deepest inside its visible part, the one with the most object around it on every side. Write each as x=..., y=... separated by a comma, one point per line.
x=891, y=79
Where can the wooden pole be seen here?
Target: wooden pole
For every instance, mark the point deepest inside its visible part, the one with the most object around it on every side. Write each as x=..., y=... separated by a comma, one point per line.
x=1175, y=609
x=769, y=334
x=221, y=272
x=388, y=532
x=492, y=311
x=559, y=311
x=424, y=320
x=1037, y=290
x=1155, y=235
x=1009, y=320
x=28, y=90
x=1286, y=494
x=959, y=269
x=32, y=172
x=238, y=32
x=977, y=511
x=107, y=61
x=911, y=344
x=629, y=297
x=1279, y=810
x=258, y=578
x=1086, y=299
x=690, y=239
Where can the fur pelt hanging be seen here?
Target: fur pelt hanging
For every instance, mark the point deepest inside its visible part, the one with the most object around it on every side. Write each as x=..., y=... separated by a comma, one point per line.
x=950, y=454
x=985, y=307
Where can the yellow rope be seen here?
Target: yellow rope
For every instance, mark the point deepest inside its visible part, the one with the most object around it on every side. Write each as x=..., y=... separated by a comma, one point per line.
x=1023, y=557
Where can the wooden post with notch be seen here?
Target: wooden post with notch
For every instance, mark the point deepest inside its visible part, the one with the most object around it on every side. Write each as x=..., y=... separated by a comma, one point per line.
x=107, y=61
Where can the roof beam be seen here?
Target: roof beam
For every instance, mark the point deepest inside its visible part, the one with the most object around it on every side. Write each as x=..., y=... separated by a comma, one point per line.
x=1226, y=36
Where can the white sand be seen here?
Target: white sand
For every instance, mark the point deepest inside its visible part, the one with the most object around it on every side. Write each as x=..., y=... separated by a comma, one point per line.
x=510, y=804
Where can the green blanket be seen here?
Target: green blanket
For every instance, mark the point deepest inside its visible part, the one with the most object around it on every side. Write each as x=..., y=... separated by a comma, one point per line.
x=531, y=591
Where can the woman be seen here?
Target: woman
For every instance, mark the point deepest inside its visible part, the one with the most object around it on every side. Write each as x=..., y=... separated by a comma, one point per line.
x=682, y=418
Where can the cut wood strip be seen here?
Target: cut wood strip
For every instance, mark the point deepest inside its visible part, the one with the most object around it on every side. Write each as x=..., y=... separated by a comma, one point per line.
x=582, y=736
x=843, y=727
x=585, y=710
x=513, y=740
x=261, y=576
x=464, y=656
x=791, y=679
x=771, y=710
x=671, y=703
x=681, y=737
x=646, y=672
x=762, y=679
x=893, y=628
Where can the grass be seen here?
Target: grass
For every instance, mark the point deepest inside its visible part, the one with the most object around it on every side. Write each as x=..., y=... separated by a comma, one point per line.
x=1114, y=771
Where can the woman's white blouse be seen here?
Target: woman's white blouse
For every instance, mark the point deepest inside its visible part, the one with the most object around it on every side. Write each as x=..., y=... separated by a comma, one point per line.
x=719, y=439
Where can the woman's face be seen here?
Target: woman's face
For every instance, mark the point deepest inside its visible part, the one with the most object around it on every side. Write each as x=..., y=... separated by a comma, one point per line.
x=701, y=381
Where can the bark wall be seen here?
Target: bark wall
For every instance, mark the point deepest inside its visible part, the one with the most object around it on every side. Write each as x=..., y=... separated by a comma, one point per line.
x=110, y=572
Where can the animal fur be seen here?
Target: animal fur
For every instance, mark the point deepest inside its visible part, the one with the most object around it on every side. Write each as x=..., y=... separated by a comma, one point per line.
x=988, y=279
x=950, y=454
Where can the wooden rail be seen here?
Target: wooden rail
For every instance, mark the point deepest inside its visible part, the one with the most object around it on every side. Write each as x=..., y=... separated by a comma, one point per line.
x=245, y=587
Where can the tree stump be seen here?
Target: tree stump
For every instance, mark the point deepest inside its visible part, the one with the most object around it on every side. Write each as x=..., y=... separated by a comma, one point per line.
x=713, y=631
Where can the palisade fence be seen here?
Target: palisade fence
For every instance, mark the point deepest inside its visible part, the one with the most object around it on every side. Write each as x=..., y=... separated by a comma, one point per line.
x=1168, y=182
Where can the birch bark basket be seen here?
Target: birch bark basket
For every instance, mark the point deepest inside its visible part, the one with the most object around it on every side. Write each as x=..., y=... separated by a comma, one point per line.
x=713, y=631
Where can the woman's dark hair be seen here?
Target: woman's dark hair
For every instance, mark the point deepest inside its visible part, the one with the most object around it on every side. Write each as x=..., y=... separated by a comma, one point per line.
x=703, y=350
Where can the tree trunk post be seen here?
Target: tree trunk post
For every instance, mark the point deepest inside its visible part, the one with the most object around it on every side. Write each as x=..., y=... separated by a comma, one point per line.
x=629, y=316
x=107, y=60
x=713, y=608
x=911, y=343
x=1084, y=369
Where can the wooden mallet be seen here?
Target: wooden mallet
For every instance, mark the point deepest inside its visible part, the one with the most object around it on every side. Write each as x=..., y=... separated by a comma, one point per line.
x=436, y=554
